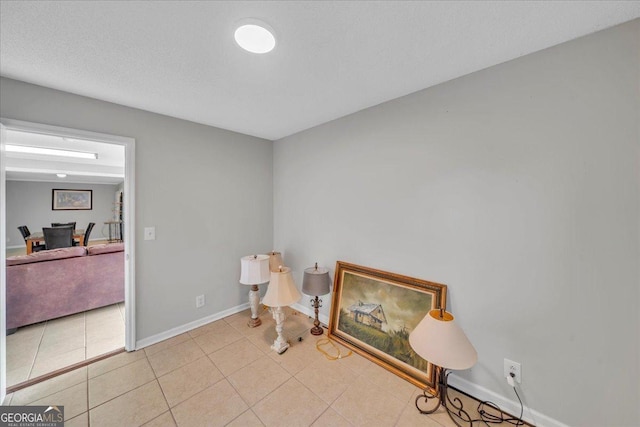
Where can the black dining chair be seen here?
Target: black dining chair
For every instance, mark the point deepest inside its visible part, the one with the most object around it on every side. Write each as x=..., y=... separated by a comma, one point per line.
x=24, y=230
x=58, y=237
x=64, y=224
x=67, y=224
x=87, y=232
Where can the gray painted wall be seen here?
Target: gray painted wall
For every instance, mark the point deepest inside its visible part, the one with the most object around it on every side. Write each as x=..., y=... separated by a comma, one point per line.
x=207, y=191
x=518, y=187
x=29, y=203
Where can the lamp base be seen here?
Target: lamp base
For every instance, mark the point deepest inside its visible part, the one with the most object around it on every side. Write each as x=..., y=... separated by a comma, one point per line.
x=252, y=323
x=316, y=303
x=280, y=345
x=458, y=415
x=254, y=303
x=316, y=330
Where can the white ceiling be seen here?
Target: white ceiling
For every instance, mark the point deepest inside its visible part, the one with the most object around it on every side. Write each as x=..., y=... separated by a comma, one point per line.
x=108, y=168
x=332, y=58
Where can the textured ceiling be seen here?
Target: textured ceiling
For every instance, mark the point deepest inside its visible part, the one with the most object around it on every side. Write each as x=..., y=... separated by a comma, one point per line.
x=332, y=58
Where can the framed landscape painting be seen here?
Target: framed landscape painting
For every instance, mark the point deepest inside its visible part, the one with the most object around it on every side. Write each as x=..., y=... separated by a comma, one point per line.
x=71, y=200
x=373, y=312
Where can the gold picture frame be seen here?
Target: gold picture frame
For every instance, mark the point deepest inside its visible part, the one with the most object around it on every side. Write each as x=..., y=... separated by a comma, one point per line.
x=373, y=312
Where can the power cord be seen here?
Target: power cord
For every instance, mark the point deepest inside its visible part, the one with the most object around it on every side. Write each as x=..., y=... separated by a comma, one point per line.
x=502, y=417
x=324, y=341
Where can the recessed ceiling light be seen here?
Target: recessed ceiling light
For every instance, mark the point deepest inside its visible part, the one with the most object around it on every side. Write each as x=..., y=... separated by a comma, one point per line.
x=61, y=175
x=255, y=36
x=50, y=151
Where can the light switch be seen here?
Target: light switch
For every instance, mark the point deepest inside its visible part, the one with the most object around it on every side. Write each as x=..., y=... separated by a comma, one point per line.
x=149, y=233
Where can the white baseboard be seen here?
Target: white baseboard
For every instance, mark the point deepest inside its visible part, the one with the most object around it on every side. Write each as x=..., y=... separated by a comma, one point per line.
x=154, y=339
x=510, y=406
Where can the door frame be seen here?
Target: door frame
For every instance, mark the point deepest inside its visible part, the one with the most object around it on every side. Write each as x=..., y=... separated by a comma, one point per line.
x=3, y=263
x=128, y=218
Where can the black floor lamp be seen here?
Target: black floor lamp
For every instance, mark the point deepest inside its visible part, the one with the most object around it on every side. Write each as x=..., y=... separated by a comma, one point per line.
x=439, y=340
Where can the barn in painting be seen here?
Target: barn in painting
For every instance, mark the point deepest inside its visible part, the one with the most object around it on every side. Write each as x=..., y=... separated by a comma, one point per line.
x=368, y=314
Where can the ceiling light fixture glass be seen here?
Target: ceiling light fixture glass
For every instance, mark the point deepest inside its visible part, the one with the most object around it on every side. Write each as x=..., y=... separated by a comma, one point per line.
x=255, y=36
x=50, y=151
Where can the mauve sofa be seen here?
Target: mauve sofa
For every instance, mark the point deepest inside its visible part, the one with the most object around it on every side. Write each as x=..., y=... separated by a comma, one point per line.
x=59, y=282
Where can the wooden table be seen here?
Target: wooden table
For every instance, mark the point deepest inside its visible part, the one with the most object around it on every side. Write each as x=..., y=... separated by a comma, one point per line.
x=37, y=237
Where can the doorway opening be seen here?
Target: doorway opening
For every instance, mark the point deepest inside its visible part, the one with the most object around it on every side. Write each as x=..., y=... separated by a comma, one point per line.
x=46, y=185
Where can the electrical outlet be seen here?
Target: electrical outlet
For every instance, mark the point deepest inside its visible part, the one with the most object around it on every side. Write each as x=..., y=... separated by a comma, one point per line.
x=199, y=301
x=511, y=367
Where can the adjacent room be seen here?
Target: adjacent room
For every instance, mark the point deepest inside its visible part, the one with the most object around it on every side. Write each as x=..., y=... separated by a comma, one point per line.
x=67, y=308
x=381, y=213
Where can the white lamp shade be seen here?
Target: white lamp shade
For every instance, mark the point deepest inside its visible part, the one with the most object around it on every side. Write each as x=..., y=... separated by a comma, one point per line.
x=254, y=269
x=282, y=290
x=275, y=261
x=442, y=342
x=316, y=281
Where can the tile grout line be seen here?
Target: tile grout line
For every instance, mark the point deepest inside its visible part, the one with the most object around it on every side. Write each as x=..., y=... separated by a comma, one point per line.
x=111, y=370
x=316, y=395
x=166, y=348
x=237, y=391
x=186, y=399
x=84, y=322
x=236, y=370
x=160, y=385
x=120, y=395
x=336, y=398
x=172, y=417
x=161, y=391
x=181, y=366
x=399, y=416
x=35, y=356
x=88, y=414
x=244, y=412
x=277, y=388
x=155, y=418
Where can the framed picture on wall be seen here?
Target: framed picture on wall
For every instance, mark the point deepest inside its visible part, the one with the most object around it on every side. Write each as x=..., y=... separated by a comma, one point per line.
x=373, y=312
x=71, y=200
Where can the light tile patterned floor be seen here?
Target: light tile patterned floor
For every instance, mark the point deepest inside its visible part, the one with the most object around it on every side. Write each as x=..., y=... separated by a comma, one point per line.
x=224, y=373
x=38, y=349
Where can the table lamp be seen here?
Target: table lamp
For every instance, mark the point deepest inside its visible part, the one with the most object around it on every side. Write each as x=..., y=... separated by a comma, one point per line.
x=439, y=340
x=275, y=260
x=254, y=269
x=316, y=282
x=282, y=291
